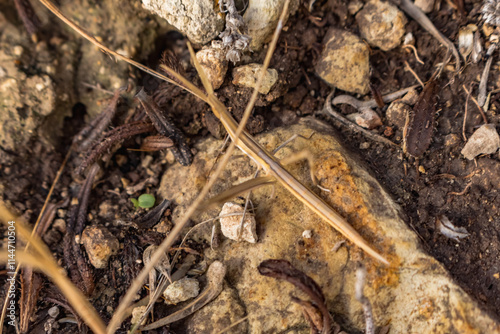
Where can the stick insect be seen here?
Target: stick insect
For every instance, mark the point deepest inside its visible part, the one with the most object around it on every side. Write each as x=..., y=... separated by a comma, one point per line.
x=241, y=139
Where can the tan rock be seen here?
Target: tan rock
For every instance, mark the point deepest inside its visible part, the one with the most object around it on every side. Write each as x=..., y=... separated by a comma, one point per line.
x=414, y=295
x=381, y=24
x=261, y=18
x=100, y=244
x=344, y=62
x=214, y=64
x=484, y=140
x=181, y=290
x=247, y=76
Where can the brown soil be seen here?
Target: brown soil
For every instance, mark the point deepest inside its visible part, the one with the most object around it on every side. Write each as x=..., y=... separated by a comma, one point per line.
x=424, y=195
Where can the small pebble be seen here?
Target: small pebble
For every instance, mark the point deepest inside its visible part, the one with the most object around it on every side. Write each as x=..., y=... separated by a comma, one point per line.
x=100, y=244
x=364, y=146
x=381, y=24
x=307, y=234
x=425, y=5
x=451, y=140
x=396, y=114
x=247, y=76
x=230, y=225
x=181, y=290
x=344, y=62
x=214, y=64
x=484, y=141
x=137, y=313
x=366, y=118
x=53, y=311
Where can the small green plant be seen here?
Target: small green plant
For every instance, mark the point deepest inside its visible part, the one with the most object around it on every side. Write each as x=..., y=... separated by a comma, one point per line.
x=144, y=201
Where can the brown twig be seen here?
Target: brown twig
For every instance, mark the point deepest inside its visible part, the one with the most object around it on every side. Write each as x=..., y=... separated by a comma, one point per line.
x=414, y=51
x=466, y=112
x=414, y=74
x=354, y=127
x=483, y=115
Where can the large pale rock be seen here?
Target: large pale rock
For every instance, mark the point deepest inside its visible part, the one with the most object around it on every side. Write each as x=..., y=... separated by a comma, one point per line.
x=214, y=64
x=414, y=294
x=344, y=62
x=381, y=24
x=261, y=18
x=199, y=20
x=100, y=244
x=484, y=140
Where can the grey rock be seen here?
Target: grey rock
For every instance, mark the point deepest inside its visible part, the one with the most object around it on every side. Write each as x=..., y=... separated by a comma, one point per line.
x=199, y=20
x=344, y=62
x=381, y=24
x=484, y=140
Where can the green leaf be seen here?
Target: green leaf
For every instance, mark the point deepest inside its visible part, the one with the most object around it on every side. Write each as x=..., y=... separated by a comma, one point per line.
x=146, y=201
x=136, y=202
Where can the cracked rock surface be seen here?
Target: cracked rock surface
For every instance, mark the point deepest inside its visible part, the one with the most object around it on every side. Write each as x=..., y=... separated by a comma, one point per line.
x=414, y=295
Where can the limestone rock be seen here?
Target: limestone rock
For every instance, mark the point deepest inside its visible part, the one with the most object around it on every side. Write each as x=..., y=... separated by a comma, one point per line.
x=344, y=62
x=396, y=113
x=181, y=290
x=198, y=20
x=415, y=294
x=230, y=226
x=261, y=18
x=214, y=63
x=100, y=244
x=219, y=314
x=366, y=118
x=381, y=24
x=247, y=76
x=484, y=140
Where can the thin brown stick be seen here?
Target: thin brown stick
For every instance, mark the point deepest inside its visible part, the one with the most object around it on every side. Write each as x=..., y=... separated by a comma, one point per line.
x=408, y=67
x=355, y=127
x=465, y=114
x=483, y=115
x=414, y=51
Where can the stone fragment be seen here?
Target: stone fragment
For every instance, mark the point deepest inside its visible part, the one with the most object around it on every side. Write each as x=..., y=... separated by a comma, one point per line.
x=181, y=290
x=137, y=313
x=261, y=18
x=415, y=294
x=366, y=118
x=354, y=6
x=451, y=140
x=247, y=76
x=218, y=315
x=381, y=24
x=230, y=226
x=198, y=20
x=396, y=114
x=100, y=244
x=344, y=62
x=214, y=64
x=425, y=5
x=484, y=140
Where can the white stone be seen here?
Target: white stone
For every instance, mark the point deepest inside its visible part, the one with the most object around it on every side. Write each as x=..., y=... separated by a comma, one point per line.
x=199, y=20
x=307, y=234
x=261, y=18
x=344, y=62
x=181, y=290
x=484, y=141
x=366, y=118
x=247, y=76
x=230, y=226
x=381, y=24
x=425, y=5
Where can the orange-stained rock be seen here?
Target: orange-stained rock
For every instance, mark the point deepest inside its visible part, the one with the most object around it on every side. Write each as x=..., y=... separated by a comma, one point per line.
x=414, y=295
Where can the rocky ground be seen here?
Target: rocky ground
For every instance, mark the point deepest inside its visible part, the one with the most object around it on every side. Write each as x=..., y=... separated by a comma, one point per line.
x=438, y=168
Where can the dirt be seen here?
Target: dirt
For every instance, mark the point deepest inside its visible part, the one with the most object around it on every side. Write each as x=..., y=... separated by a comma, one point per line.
x=441, y=182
